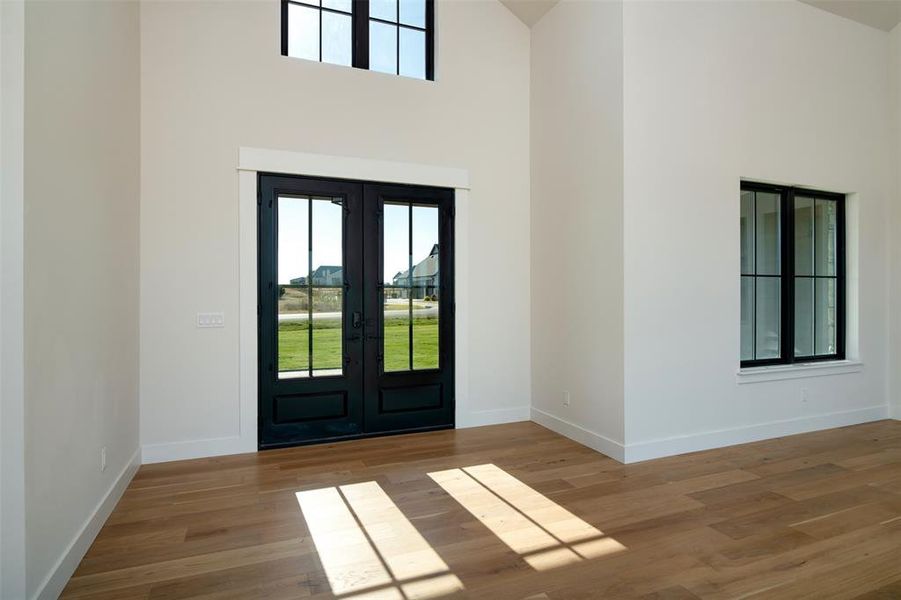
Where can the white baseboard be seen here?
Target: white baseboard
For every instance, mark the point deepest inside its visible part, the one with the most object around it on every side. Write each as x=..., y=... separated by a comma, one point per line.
x=62, y=571
x=593, y=440
x=498, y=416
x=630, y=453
x=640, y=451
x=752, y=433
x=167, y=452
x=157, y=453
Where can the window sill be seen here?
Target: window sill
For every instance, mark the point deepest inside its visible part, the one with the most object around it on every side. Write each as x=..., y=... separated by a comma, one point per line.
x=797, y=371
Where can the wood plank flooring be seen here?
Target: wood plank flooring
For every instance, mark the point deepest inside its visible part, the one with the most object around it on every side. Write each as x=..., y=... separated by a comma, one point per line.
x=511, y=511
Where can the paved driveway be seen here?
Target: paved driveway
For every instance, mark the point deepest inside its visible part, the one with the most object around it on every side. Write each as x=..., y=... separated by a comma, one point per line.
x=418, y=313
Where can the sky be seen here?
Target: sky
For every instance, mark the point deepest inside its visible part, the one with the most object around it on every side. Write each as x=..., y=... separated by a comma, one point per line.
x=293, y=241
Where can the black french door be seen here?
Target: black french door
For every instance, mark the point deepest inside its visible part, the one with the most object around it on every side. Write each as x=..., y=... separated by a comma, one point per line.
x=356, y=297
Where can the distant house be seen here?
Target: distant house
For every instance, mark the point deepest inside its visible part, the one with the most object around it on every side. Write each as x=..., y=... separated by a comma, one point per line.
x=425, y=279
x=324, y=275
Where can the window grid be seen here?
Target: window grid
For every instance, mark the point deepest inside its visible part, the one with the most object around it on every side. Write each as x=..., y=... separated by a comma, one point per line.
x=398, y=26
x=308, y=286
x=320, y=10
x=787, y=196
x=408, y=287
x=754, y=273
x=360, y=31
x=814, y=277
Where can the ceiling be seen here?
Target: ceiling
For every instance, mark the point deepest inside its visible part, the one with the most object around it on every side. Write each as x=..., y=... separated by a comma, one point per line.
x=529, y=11
x=881, y=14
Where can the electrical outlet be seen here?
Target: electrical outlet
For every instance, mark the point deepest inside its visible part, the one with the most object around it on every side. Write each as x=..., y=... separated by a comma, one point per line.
x=805, y=395
x=213, y=319
x=103, y=459
x=566, y=399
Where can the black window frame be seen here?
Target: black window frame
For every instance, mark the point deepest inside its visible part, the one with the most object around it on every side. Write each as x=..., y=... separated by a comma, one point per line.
x=360, y=20
x=787, y=195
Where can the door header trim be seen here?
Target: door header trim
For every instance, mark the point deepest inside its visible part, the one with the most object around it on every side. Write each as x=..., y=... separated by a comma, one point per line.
x=346, y=167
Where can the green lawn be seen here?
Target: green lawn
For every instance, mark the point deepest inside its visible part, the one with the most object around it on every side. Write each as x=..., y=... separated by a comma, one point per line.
x=293, y=345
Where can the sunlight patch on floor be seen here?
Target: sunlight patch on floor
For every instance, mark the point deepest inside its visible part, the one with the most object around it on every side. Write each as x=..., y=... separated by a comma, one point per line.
x=544, y=533
x=369, y=549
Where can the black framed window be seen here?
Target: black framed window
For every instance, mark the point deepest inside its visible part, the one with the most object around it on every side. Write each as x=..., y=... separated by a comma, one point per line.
x=792, y=275
x=389, y=36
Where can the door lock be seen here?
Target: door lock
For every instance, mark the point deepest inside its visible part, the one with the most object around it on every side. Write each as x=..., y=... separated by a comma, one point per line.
x=356, y=319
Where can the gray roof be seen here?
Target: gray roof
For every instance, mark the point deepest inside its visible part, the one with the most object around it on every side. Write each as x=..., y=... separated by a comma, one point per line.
x=427, y=267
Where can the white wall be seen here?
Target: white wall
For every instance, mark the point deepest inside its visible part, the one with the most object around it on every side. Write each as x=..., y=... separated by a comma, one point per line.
x=12, y=396
x=81, y=271
x=716, y=92
x=894, y=227
x=577, y=219
x=213, y=80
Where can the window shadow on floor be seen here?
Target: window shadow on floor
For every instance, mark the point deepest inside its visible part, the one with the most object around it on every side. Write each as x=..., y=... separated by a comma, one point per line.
x=369, y=549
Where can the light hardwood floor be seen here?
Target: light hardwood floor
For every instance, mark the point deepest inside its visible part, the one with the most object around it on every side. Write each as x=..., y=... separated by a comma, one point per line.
x=511, y=511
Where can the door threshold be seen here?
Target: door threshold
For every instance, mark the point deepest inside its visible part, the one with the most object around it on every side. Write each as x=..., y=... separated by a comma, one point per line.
x=348, y=438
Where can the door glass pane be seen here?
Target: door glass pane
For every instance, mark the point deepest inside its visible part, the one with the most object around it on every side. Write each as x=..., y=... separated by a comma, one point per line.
x=293, y=245
x=412, y=12
x=768, y=317
x=336, y=38
x=747, y=233
x=397, y=336
x=412, y=53
x=826, y=224
x=804, y=221
x=804, y=316
x=328, y=242
x=425, y=289
x=385, y=10
x=396, y=277
x=293, y=294
x=747, y=318
x=768, y=230
x=327, y=331
x=327, y=282
x=293, y=345
x=382, y=47
x=826, y=317
x=303, y=32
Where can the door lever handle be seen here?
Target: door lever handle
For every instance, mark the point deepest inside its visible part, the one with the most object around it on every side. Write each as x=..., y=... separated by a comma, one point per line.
x=356, y=320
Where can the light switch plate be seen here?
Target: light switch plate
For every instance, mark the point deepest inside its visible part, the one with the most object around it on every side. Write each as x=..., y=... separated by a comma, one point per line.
x=214, y=319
